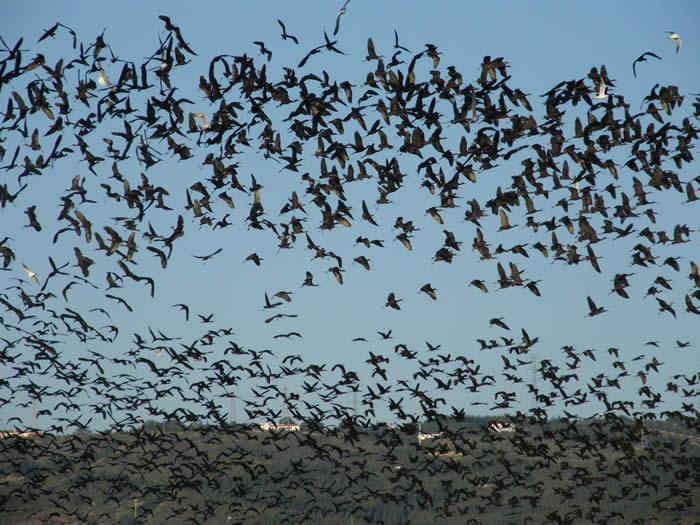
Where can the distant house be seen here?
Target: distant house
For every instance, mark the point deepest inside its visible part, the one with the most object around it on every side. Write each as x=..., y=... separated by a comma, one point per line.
x=422, y=436
x=15, y=433
x=266, y=427
x=500, y=426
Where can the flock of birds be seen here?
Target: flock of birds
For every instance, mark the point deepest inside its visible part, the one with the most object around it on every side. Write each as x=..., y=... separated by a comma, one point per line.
x=576, y=191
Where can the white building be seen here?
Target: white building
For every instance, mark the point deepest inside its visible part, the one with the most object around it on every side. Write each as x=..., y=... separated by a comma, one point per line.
x=266, y=427
x=499, y=426
x=10, y=433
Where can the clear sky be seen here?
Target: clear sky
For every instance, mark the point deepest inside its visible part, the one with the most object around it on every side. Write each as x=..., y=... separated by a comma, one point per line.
x=543, y=42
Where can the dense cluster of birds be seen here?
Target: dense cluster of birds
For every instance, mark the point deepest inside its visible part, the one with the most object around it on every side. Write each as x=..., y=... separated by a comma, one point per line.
x=575, y=192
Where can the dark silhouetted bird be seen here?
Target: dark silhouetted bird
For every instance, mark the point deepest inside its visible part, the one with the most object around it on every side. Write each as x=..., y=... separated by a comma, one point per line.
x=593, y=309
x=642, y=58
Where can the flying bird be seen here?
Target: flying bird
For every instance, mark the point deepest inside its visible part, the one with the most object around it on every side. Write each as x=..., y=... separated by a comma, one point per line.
x=393, y=302
x=430, y=291
x=666, y=307
x=335, y=270
x=498, y=321
x=642, y=58
x=601, y=91
x=269, y=304
x=263, y=50
x=288, y=335
x=284, y=295
x=51, y=32
x=385, y=335
x=308, y=55
x=185, y=308
x=363, y=261
x=103, y=79
x=340, y=13
x=396, y=42
x=31, y=273
x=366, y=215
x=255, y=258
x=405, y=240
x=675, y=36
x=193, y=124
x=480, y=285
x=286, y=35
x=309, y=280
x=594, y=310
x=207, y=257
x=33, y=222
x=120, y=300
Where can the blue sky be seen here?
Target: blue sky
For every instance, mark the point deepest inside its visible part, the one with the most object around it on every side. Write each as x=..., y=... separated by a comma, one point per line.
x=543, y=43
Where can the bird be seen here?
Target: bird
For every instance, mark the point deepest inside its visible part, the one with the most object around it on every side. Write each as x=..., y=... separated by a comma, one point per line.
x=30, y=273
x=284, y=295
x=306, y=57
x=33, y=222
x=264, y=50
x=478, y=283
x=51, y=32
x=362, y=261
x=532, y=286
x=269, y=305
x=665, y=307
x=205, y=125
x=279, y=316
x=371, y=54
x=601, y=90
x=309, y=280
x=161, y=255
x=405, y=240
x=102, y=78
x=433, y=212
x=255, y=258
x=393, y=302
x=396, y=42
x=675, y=36
x=690, y=307
x=498, y=321
x=337, y=20
x=285, y=35
x=594, y=310
x=429, y=291
x=185, y=308
x=336, y=271
x=366, y=214
x=120, y=300
x=642, y=58
x=205, y=258
x=288, y=335
x=385, y=335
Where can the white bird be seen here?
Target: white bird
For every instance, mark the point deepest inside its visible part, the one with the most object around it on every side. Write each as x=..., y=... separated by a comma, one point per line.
x=103, y=79
x=31, y=273
x=601, y=90
x=205, y=125
x=675, y=36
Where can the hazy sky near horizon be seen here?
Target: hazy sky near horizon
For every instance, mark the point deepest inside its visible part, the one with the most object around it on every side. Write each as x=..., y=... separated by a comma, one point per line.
x=543, y=42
